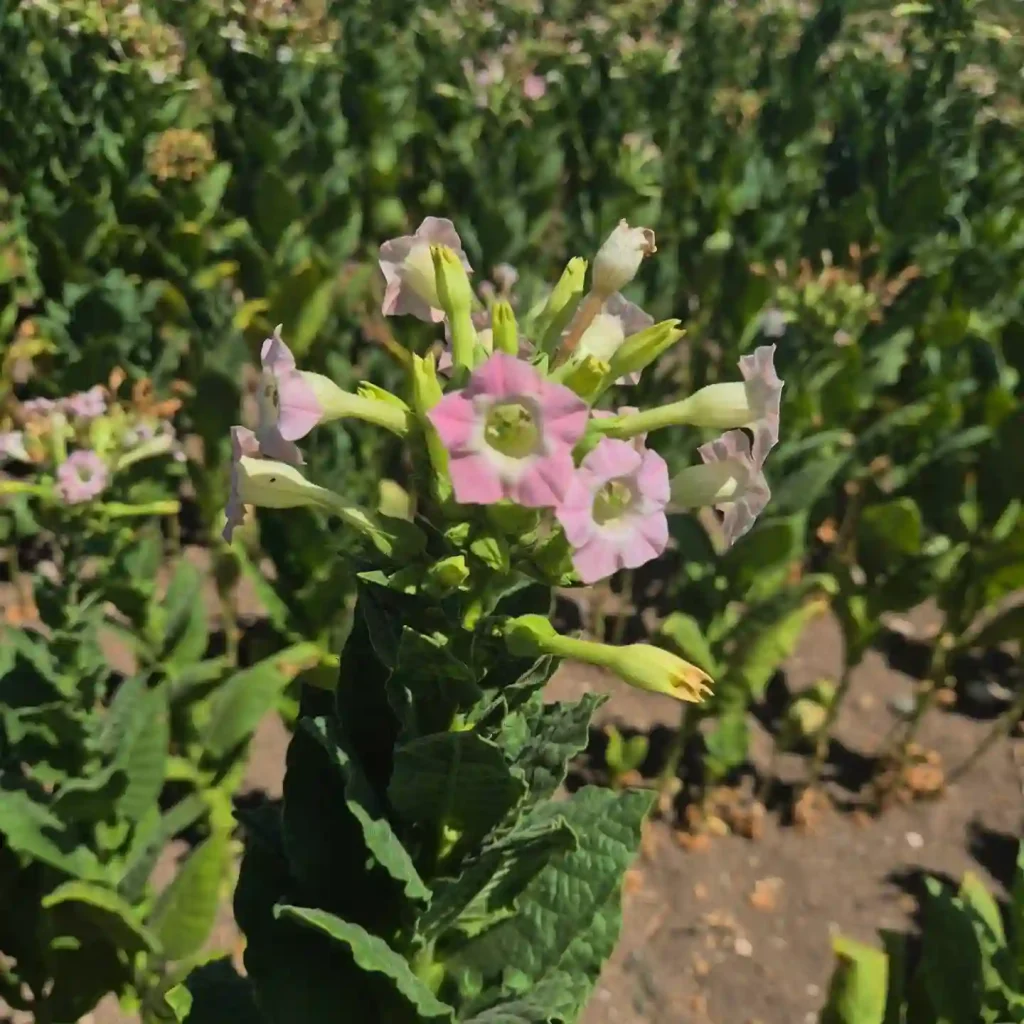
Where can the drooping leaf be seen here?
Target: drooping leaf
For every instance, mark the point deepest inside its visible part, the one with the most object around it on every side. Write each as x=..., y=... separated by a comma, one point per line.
x=114, y=916
x=30, y=829
x=372, y=954
x=362, y=802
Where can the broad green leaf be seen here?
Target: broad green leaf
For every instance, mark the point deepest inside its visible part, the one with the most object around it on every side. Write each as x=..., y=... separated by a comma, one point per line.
x=550, y=1001
x=458, y=778
x=153, y=833
x=185, y=911
x=30, y=829
x=557, y=733
x=975, y=895
x=570, y=914
x=688, y=638
x=756, y=661
x=728, y=743
x=893, y=528
x=115, y=916
x=492, y=879
x=380, y=838
x=372, y=954
x=857, y=994
x=239, y=706
x=185, y=632
x=951, y=963
x=142, y=755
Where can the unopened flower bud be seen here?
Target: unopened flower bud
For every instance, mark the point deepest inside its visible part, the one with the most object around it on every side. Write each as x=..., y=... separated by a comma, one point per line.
x=619, y=259
x=561, y=305
x=456, y=297
x=505, y=335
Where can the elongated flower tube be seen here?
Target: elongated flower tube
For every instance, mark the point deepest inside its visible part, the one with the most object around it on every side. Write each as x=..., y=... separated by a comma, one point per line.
x=561, y=305
x=267, y=483
x=456, y=298
x=614, y=510
x=292, y=402
x=641, y=665
x=753, y=402
x=731, y=480
x=408, y=267
x=510, y=435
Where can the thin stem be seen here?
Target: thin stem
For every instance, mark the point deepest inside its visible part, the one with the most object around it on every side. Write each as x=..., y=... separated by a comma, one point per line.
x=626, y=590
x=822, y=737
x=676, y=749
x=1002, y=727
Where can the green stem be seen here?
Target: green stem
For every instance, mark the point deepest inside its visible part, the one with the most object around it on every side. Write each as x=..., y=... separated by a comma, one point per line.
x=625, y=590
x=821, y=739
x=687, y=728
x=1002, y=727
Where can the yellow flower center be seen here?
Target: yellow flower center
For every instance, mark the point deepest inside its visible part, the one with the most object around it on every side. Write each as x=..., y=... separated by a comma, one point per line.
x=512, y=429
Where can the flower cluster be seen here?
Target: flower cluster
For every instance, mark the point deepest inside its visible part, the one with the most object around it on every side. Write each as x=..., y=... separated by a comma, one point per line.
x=509, y=418
x=75, y=445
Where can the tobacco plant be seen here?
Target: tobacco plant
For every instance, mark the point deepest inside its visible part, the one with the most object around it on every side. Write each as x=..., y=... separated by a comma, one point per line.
x=421, y=865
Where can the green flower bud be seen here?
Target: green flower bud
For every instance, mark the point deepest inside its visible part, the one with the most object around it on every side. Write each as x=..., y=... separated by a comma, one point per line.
x=456, y=297
x=561, y=305
x=505, y=331
x=638, y=351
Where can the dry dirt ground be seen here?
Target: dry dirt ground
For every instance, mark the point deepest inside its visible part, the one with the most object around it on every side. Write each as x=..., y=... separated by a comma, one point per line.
x=736, y=931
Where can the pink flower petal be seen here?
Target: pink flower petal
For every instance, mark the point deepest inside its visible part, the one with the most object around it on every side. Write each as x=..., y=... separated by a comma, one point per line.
x=594, y=561
x=299, y=410
x=612, y=459
x=653, y=531
x=455, y=420
x=653, y=479
x=544, y=483
x=475, y=481
x=504, y=376
x=275, y=355
x=565, y=414
x=273, y=446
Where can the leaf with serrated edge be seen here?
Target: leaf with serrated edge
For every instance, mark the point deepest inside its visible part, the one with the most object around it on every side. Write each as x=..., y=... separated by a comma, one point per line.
x=558, y=733
x=380, y=838
x=570, y=913
x=498, y=873
x=373, y=954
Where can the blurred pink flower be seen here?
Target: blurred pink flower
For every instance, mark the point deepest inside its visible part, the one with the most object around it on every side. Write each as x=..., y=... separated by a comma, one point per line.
x=614, y=509
x=510, y=435
x=289, y=408
x=534, y=87
x=38, y=406
x=81, y=477
x=619, y=319
x=411, y=287
x=86, y=405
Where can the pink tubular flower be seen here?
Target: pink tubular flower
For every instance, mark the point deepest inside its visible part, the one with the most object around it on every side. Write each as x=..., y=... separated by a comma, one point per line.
x=409, y=270
x=614, y=510
x=731, y=455
x=243, y=444
x=619, y=318
x=289, y=408
x=86, y=405
x=81, y=477
x=510, y=434
x=765, y=394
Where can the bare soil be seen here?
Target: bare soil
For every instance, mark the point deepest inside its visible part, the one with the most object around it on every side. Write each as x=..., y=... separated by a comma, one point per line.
x=735, y=930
